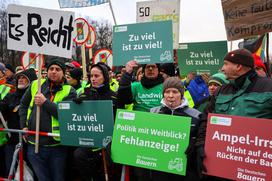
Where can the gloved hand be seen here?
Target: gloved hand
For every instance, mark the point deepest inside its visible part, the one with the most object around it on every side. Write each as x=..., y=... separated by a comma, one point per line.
x=200, y=155
x=78, y=100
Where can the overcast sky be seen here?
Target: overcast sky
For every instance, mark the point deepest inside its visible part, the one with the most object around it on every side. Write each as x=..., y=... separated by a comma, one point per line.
x=200, y=20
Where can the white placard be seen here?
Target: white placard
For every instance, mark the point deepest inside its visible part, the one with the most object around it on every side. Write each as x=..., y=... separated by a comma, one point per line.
x=40, y=30
x=148, y=11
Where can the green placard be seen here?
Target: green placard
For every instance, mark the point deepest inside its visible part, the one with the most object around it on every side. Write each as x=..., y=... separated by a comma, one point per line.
x=204, y=57
x=147, y=43
x=89, y=124
x=149, y=140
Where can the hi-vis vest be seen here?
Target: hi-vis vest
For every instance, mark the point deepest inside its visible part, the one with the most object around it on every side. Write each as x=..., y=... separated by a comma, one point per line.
x=4, y=90
x=60, y=95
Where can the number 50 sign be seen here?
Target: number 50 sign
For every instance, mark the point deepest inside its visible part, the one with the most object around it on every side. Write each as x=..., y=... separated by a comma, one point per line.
x=148, y=11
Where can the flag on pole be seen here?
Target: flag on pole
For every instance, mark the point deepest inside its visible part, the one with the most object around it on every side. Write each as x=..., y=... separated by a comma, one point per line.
x=80, y=3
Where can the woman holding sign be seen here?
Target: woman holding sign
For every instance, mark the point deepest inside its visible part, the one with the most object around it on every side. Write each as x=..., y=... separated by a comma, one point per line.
x=174, y=103
x=89, y=160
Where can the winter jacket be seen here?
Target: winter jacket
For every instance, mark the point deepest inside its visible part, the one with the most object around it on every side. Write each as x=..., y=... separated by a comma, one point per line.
x=198, y=89
x=9, y=107
x=48, y=109
x=249, y=96
x=144, y=95
x=182, y=110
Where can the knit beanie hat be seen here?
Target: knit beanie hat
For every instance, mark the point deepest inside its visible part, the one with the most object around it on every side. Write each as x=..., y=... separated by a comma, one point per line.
x=240, y=56
x=30, y=74
x=168, y=68
x=218, y=78
x=76, y=73
x=10, y=67
x=2, y=68
x=173, y=82
x=57, y=62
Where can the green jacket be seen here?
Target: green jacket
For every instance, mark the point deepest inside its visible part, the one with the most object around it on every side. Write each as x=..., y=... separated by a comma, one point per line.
x=249, y=96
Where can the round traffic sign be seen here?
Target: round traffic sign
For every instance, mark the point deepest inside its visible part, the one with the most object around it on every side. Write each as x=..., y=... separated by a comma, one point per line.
x=31, y=60
x=81, y=31
x=103, y=55
x=91, y=38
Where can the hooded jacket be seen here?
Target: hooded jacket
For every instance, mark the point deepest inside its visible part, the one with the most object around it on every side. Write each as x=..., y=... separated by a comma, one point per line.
x=101, y=93
x=9, y=106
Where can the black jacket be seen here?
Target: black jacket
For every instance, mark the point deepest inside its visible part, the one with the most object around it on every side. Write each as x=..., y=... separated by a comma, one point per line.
x=9, y=107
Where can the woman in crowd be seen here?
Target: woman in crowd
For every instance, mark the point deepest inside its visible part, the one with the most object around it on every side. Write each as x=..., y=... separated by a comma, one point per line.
x=89, y=160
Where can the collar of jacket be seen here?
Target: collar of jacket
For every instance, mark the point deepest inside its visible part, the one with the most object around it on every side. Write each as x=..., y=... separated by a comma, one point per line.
x=239, y=82
x=184, y=103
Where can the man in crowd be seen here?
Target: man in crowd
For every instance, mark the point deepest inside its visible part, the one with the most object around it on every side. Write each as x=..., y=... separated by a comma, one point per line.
x=49, y=163
x=247, y=94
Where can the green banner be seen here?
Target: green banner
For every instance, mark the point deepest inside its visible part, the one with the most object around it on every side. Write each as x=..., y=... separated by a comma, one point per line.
x=152, y=141
x=85, y=124
x=147, y=43
x=203, y=57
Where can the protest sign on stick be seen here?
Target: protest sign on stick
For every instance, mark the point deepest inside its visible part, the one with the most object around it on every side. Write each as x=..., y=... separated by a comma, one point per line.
x=41, y=31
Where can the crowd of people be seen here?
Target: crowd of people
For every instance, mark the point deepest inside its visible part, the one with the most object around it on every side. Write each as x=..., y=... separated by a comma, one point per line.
x=242, y=87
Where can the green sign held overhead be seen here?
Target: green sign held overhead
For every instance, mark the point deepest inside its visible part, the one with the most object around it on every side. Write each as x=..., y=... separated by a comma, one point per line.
x=204, y=57
x=147, y=43
x=89, y=124
x=152, y=141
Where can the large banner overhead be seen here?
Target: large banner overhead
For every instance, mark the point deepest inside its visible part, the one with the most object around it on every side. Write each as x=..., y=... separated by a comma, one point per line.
x=80, y=3
x=40, y=30
x=161, y=11
x=247, y=18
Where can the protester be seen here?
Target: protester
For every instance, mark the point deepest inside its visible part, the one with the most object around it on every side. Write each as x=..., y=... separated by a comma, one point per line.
x=215, y=82
x=247, y=94
x=144, y=94
x=9, y=107
x=74, y=77
x=89, y=160
x=50, y=162
x=168, y=70
x=174, y=103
